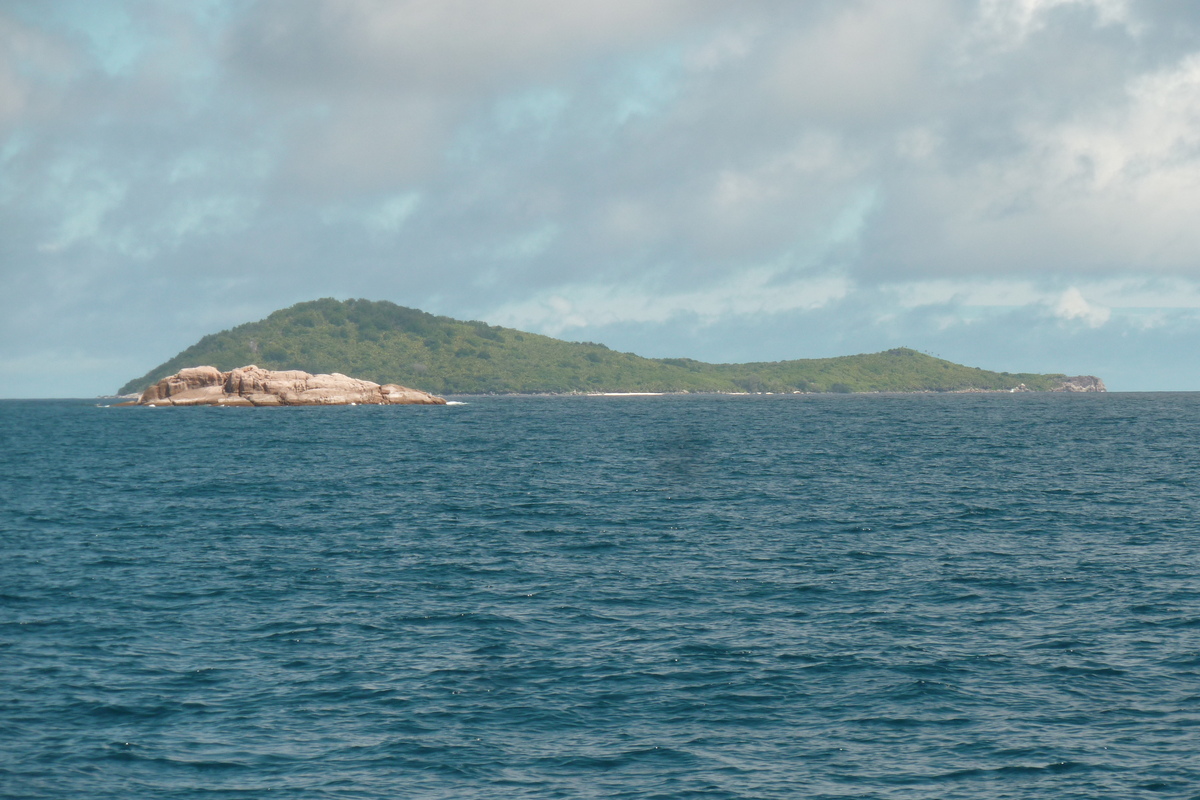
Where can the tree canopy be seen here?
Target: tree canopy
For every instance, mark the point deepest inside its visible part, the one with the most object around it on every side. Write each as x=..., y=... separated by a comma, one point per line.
x=387, y=343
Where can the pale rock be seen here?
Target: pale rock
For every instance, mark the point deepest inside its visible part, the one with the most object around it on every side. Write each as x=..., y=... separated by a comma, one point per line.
x=1081, y=383
x=253, y=386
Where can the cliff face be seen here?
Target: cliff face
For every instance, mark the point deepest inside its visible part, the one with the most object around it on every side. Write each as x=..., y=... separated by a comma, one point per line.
x=253, y=386
x=1081, y=383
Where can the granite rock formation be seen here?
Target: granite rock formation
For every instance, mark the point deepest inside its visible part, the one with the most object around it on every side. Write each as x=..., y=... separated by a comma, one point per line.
x=253, y=386
x=1081, y=383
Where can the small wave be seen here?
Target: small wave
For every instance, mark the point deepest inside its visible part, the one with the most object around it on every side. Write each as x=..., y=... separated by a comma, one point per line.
x=528, y=607
x=1015, y=770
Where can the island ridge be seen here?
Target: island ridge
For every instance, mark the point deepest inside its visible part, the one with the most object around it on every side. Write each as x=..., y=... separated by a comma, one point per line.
x=389, y=344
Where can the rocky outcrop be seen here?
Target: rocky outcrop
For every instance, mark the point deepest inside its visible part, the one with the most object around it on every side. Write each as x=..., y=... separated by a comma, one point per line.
x=1081, y=383
x=252, y=386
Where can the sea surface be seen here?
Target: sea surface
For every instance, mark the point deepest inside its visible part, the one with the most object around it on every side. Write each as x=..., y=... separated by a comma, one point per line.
x=910, y=596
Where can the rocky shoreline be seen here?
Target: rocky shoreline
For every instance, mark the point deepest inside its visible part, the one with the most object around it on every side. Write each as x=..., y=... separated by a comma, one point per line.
x=1075, y=384
x=252, y=386
x=1078, y=383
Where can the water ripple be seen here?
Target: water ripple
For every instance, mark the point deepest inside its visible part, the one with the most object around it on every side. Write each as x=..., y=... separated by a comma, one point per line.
x=669, y=597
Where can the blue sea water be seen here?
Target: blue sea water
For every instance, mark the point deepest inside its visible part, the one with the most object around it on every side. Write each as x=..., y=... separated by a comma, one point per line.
x=919, y=596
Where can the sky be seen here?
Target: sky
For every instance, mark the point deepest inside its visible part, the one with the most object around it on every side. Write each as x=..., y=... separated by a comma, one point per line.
x=1008, y=184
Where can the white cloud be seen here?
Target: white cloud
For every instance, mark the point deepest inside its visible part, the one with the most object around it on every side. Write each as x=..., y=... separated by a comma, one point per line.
x=1106, y=189
x=392, y=213
x=918, y=144
x=447, y=45
x=1123, y=295
x=379, y=87
x=723, y=49
x=756, y=292
x=867, y=60
x=1071, y=305
x=1173, y=292
x=1010, y=23
x=968, y=293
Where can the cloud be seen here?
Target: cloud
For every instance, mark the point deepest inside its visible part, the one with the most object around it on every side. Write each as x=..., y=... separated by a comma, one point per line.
x=866, y=61
x=1072, y=306
x=862, y=174
x=1103, y=187
x=757, y=292
x=378, y=87
x=447, y=46
x=1012, y=22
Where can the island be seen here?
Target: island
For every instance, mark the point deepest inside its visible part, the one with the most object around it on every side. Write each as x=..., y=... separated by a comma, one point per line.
x=253, y=386
x=390, y=344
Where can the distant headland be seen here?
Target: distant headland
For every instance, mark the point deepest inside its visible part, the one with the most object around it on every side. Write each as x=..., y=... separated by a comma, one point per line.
x=387, y=344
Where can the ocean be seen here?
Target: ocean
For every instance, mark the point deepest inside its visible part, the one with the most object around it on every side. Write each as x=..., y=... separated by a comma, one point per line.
x=826, y=596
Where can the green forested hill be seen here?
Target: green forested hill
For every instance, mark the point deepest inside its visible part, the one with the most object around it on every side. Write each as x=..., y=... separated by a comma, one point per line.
x=387, y=343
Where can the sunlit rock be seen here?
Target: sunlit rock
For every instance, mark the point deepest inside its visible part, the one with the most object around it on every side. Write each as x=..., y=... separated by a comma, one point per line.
x=253, y=386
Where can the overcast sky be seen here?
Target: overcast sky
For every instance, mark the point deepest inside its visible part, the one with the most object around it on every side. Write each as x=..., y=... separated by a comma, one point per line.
x=1009, y=184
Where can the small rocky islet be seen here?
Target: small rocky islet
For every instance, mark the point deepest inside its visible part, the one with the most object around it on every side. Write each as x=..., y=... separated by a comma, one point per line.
x=253, y=386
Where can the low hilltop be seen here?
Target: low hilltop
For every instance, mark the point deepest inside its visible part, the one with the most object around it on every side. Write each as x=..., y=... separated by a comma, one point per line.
x=390, y=344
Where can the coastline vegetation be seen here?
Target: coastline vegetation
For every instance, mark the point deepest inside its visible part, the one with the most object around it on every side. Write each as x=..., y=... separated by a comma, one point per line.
x=386, y=343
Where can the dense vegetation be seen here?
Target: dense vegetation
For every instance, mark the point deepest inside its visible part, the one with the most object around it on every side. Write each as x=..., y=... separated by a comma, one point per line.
x=387, y=343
